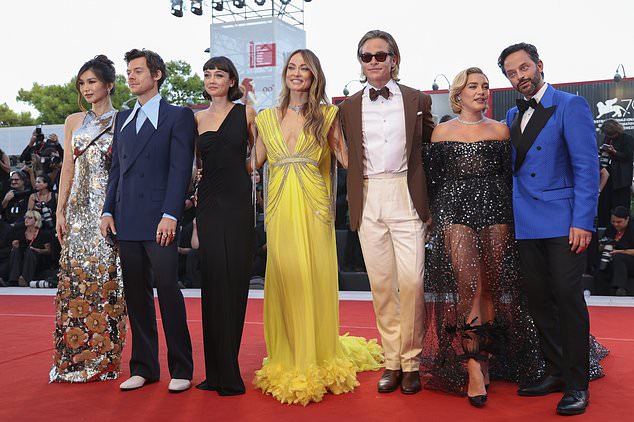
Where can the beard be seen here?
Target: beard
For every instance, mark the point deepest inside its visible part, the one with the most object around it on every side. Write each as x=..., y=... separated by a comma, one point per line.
x=529, y=87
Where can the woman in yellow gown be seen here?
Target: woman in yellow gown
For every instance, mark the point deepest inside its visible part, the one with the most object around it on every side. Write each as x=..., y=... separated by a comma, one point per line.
x=306, y=356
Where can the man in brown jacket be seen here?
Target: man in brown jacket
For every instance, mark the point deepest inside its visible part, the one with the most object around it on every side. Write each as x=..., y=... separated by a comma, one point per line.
x=385, y=125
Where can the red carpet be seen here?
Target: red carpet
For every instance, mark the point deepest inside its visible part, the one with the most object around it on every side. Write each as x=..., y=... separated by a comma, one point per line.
x=26, y=324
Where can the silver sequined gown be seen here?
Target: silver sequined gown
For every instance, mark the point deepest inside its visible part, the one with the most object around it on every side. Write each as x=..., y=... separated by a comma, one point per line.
x=90, y=314
x=471, y=250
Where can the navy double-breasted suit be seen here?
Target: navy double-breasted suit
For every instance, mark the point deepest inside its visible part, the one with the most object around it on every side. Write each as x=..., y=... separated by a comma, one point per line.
x=148, y=178
x=150, y=171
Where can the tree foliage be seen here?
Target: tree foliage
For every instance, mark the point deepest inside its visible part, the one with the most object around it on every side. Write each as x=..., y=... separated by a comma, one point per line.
x=55, y=102
x=181, y=86
x=9, y=117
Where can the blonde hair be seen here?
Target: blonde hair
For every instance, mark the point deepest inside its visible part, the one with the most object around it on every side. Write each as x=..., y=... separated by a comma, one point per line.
x=36, y=216
x=314, y=122
x=458, y=84
x=391, y=42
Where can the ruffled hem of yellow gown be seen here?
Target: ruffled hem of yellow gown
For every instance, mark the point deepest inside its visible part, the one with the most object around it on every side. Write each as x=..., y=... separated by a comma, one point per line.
x=337, y=375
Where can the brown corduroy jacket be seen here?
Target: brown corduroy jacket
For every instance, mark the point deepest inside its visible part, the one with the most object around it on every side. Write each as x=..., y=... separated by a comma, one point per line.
x=418, y=128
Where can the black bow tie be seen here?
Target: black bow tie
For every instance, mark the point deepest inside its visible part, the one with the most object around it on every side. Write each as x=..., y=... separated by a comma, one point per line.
x=383, y=92
x=524, y=105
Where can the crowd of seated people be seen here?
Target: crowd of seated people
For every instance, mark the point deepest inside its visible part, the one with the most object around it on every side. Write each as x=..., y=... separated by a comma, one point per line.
x=29, y=250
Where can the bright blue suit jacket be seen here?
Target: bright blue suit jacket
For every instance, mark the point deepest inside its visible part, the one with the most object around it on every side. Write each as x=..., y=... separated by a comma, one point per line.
x=555, y=167
x=150, y=171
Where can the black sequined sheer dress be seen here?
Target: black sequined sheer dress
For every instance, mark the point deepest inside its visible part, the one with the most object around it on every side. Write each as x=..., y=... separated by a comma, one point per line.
x=473, y=303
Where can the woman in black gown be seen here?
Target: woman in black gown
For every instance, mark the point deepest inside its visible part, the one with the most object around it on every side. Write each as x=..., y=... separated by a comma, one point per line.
x=477, y=319
x=224, y=218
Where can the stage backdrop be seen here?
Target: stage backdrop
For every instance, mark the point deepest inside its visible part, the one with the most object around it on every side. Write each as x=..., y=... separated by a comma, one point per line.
x=258, y=48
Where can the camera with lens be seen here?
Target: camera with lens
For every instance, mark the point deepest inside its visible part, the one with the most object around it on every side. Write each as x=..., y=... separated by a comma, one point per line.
x=40, y=284
x=39, y=137
x=50, y=160
x=47, y=215
x=604, y=157
x=20, y=194
x=606, y=254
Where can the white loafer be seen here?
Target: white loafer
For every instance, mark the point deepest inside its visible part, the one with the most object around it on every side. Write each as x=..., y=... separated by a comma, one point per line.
x=179, y=385
x=132, y=383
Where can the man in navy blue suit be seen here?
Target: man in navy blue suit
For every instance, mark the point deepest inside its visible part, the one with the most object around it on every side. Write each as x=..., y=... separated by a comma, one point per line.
x=555, y=192
x=152, y=156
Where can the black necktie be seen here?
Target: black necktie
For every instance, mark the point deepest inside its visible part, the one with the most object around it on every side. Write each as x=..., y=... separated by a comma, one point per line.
x=383, y=92
x=523, y=105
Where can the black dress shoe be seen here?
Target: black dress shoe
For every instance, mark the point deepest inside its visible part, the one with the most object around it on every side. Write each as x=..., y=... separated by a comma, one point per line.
x=574, y=402
x=410, y=384
x=549, y=384
x=390, y=380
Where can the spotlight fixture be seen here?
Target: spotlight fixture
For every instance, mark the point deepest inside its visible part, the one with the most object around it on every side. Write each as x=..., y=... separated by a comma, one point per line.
x=197, y=7
x=434, y=85
x=285, y=2
x=346, y=92
x=617, y=75
x=217, y=5
x=307, y=1
x=238, y=3
x=260, y=2
x=177, y=8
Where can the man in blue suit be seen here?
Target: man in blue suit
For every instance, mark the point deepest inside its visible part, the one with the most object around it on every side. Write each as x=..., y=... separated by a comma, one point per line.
x=555, y=191
x=152, y=156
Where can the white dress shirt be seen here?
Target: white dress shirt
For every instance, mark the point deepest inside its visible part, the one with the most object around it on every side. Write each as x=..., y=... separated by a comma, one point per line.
x=383, y=126
x=528, y=113
x=149, y=110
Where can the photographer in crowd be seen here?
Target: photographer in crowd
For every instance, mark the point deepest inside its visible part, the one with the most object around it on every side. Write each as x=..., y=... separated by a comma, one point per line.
x=15, y=202
x=30, y=249
x=617, y=256
x=5, y=172
x=38, y=143
x=51, y=165
x=44, y=201
x=6, y=239
x=617, y=155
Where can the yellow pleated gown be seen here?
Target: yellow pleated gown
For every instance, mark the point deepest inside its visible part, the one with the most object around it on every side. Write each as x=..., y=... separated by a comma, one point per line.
x=306, y=356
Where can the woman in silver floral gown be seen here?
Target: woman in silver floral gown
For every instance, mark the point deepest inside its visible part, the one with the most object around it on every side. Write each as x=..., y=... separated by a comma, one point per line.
x=90, y=329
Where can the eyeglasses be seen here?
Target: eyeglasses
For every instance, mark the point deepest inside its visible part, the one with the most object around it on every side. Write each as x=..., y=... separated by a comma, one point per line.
x=15, y=180
x=28, y=216
x=380, y=56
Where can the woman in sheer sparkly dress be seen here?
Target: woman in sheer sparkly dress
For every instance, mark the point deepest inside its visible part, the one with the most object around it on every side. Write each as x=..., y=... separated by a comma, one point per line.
x=478, y=323
x=90, y=328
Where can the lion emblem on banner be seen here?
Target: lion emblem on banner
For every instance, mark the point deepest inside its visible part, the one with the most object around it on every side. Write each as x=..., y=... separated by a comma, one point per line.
x=610, y=106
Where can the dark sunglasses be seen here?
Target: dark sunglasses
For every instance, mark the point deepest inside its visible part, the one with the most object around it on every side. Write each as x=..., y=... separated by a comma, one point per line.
x=380, y=56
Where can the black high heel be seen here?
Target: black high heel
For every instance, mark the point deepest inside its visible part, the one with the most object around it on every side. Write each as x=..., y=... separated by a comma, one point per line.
x=477, y=401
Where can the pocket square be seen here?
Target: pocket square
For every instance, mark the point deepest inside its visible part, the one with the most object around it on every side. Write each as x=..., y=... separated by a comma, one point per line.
x=419, y=113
